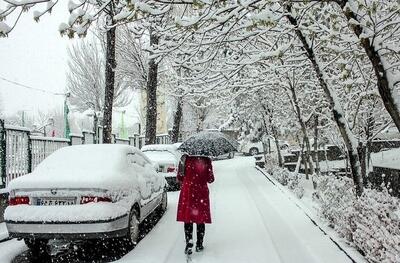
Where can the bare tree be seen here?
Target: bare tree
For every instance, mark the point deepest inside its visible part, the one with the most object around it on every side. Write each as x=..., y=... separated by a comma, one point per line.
x=86, y=80
x=132, y=58
x=109, y=14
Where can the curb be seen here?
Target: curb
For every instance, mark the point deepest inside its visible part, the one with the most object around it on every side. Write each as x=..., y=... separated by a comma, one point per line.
x=3, y=204
x=5, y=239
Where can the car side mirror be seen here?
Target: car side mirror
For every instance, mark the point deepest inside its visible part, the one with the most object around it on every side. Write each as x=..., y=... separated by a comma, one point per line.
x=155, y=166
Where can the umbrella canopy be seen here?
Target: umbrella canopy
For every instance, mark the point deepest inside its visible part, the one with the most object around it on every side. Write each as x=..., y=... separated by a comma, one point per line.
x=209, y=143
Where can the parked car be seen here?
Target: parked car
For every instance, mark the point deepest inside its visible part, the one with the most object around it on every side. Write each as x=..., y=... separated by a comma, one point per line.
x=166, y=158
x=85, y=192
x=252, y=148
x=229, y=155
x=256, y=147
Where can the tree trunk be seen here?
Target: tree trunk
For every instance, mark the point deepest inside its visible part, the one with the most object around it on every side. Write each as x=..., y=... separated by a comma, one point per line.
x=305, y=162
x=177, y=122
x=151, y=89
x=201, y=116
x=316, y=155
x=269, y=113
x=363, y=164
x=109, y=88
x=278, y=150
x=385, y=91
x=303, y=127
x=269, y=146
x=368, y=133
x=335, y=106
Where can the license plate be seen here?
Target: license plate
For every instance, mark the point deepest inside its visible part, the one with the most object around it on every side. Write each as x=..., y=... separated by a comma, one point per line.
x=55, y=201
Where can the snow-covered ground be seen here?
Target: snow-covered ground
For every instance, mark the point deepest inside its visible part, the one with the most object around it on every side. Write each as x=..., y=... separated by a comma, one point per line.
x=10, y=249
x=3, y=231
x=253, y=221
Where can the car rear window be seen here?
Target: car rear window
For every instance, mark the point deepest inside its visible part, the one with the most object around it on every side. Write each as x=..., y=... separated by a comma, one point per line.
x=161, y=156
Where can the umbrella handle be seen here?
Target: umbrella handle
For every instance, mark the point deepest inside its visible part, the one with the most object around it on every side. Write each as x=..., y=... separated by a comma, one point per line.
x=182, y=165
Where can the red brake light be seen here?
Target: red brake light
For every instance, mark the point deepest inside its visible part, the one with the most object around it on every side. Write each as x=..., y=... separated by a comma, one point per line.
x=94, y=199
x=171, y=169
x=19, y=200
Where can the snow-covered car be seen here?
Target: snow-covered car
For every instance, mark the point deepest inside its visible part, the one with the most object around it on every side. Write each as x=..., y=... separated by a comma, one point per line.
x=256, y=147
x=252, y=148
x=85, y=192
x=166, y=158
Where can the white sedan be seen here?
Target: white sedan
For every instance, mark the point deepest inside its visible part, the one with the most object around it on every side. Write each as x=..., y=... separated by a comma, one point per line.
x=166, y=157
x=85, y=192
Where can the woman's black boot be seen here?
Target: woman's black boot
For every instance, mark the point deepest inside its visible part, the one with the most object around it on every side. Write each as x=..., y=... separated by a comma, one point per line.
x=189, y=238
x=189, y=247
x=201, y=228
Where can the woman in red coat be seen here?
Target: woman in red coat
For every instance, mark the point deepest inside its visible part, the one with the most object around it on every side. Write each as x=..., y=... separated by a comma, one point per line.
x=194, y=204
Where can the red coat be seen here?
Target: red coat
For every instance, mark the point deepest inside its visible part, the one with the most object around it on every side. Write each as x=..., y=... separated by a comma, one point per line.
x=194, y=201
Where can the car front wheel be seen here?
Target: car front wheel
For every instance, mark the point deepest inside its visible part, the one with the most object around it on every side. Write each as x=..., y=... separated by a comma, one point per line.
x=164, y=202
x=253, y=151
x=284, y=147
x=133, y=228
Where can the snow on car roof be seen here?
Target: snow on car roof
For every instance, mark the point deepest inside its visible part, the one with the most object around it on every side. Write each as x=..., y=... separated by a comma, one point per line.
x=160, y=147
x=161, y=157
x=97, y=165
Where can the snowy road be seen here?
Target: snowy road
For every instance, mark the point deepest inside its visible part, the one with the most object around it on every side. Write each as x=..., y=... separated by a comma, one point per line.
x=252, y=222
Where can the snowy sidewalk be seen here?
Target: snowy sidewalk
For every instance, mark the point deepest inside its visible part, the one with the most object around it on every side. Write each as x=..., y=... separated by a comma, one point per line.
x=253, y=222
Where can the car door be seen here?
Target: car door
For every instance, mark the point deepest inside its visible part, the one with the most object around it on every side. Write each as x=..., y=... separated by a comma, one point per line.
x=157, y=182
x=153, y=184
x=138, y=164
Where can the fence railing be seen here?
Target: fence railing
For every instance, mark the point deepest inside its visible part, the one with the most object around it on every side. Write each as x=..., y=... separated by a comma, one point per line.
x=21, y=152
x=41, y=147
x=16, y=152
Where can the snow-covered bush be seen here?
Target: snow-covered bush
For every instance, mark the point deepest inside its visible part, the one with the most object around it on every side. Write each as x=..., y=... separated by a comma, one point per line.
x=289, y=179
x=270, y=163
x=294, y=185
x=371, y=222
x=281, y=175
x=377, y=226
x=336, y=198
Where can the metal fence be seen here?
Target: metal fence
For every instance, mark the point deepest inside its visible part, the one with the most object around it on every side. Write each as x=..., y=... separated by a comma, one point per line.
x=21, y=152
x=41, y=147
x=16, y=153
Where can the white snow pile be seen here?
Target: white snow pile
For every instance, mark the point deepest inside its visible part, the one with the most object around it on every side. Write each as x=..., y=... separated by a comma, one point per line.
x=4, y=29
x=159, y=147
x=387, y=159
x=370, y=223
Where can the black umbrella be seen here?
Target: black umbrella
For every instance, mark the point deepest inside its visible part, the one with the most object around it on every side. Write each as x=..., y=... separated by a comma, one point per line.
x=209, y=143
